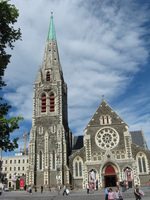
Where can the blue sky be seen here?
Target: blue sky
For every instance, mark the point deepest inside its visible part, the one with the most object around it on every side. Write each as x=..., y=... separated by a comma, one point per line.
x=104, y=49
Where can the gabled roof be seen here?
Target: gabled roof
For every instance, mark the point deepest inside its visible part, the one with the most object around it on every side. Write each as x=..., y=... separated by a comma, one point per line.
x=138, y=138
x=105, y=109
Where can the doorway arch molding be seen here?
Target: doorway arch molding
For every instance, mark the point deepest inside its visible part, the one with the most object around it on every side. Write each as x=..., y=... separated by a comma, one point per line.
x=103, y=168
x=106, y=164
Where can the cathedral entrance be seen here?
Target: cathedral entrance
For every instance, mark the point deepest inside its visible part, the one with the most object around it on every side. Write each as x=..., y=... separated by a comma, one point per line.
x=110, y=177
x=110, y=181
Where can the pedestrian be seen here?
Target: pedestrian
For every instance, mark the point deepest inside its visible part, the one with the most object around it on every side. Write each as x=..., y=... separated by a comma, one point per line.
x=149, y=184
x=64, y=191
x=91, y=187
x=41, y=188
x=58, y=187
x=106, y=193
x=25, y=187
x=123, y=186
x=117, y=185
x=137, y=193
x=87, y=187
x=30, y=189
x=117, y=194
x=110, y=194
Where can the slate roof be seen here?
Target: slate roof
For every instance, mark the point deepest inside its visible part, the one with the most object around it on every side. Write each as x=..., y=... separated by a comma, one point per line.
x=77, y=142
x=138, y=138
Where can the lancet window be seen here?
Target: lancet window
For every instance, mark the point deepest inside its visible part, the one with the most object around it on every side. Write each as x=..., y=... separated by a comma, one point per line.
x=43, y=103
x=52, y=102
x=78, y=167
x=105, y=119
x=48, y=76
x=53, y=157
x=40, y=160
x=142, y=162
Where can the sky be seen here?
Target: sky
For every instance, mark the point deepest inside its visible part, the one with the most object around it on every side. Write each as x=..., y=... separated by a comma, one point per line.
x=104, y=49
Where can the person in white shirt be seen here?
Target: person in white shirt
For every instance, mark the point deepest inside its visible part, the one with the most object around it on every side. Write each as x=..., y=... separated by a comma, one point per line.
x=117, y=194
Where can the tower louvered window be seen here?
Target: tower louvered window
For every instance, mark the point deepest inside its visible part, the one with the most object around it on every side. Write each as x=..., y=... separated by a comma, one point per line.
x=43, y=102
x=48, y=76
x=40, y=160
x=52, y=103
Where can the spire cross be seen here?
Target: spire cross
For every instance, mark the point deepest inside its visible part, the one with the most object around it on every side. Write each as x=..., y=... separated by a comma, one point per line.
x=103, y=97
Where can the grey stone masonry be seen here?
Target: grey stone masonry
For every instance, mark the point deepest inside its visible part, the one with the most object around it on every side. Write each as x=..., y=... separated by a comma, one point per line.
x=50, y=136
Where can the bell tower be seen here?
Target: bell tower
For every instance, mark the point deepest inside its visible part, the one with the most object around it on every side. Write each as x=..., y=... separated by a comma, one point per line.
x=50, y=136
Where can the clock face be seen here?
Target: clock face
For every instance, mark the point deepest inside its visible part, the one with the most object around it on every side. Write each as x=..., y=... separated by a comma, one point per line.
x=107, y=138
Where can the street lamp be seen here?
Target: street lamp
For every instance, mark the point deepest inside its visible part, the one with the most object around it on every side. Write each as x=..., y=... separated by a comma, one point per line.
x=57, y=177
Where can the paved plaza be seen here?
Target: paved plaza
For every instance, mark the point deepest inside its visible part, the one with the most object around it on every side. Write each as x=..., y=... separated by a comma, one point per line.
x=73, y=195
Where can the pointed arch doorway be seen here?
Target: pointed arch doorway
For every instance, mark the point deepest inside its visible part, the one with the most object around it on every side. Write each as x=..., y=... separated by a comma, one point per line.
x=110, y=177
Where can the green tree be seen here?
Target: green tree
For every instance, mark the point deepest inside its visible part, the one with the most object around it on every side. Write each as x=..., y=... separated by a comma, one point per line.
x=8, y=35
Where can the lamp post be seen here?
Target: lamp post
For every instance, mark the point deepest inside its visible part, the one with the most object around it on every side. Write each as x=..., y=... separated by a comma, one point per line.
x=57, y=177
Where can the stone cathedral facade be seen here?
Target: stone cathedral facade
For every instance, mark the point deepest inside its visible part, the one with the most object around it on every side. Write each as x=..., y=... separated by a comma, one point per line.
x=106, y=154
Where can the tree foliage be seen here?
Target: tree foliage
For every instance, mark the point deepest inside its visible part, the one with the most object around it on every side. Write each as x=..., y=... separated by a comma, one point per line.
x=8, y=35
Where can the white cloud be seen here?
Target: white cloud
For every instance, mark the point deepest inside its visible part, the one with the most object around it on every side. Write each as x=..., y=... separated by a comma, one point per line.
x=101, y=45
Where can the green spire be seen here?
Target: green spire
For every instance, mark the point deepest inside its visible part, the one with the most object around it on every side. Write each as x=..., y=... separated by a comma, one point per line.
x=51, y=31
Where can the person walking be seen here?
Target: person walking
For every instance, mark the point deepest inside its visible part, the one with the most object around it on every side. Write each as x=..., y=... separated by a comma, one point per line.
x=110, y=194
x=41, y=188
x=64, y=191
x=106, y=193
x=149, y=184
x=30, y=190
x=136, y=192
x=87, y=187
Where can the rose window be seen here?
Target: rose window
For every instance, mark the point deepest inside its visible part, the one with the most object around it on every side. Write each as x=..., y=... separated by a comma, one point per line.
x=107, y=138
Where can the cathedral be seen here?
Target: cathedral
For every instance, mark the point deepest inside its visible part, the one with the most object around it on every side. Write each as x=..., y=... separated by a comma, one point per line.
x=107, y=153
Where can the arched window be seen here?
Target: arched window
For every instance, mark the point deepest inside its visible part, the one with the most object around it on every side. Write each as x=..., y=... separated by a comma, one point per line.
x=140, y=165
x=43, y=103
x=48, y=76
x=40, y=160
x=53, y=159
x=78, y=167
x=142, y=162
x=105, y=119
x=52, y=102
